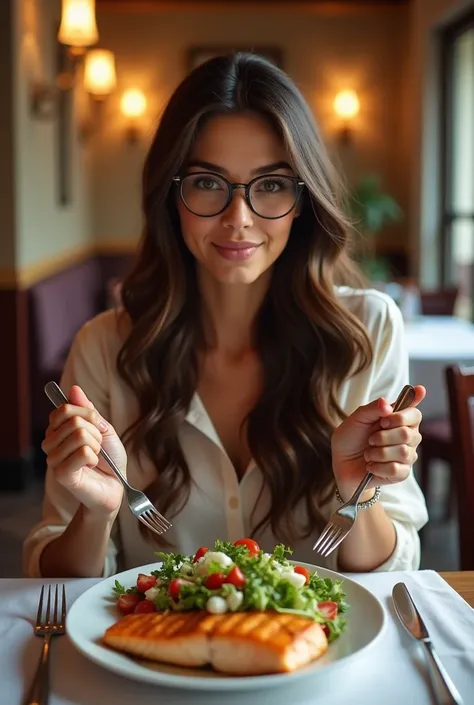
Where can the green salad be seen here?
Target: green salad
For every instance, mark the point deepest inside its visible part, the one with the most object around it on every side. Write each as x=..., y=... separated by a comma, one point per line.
x=237, y=577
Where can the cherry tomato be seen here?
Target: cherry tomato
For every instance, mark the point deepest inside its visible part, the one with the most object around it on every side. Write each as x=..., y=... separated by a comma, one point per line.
x=174, y=589
x=303, y=571
x=144, y=606
x=325, y=629
x=215, y=581
x=200, y=553
x=127, y=603
x=328, y=609
x=145, y=582
x=251, y=545
x=236, y=577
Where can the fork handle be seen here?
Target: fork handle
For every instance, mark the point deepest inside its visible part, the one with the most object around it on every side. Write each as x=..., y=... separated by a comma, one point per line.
x=57, y=397
x=39, y=693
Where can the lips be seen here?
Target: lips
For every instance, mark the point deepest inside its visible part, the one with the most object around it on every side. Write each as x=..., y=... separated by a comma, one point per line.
x=237, y=251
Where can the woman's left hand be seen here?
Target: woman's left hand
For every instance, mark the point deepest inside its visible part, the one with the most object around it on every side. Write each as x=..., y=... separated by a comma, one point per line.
x=376, y=439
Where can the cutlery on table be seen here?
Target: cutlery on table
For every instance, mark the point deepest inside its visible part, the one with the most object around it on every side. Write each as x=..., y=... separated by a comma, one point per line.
x=342, y=521
x=138, y=502
x=48, y=624
x=444, y=689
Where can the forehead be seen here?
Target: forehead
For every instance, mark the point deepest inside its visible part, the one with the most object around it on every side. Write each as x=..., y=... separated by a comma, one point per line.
x=238, y=143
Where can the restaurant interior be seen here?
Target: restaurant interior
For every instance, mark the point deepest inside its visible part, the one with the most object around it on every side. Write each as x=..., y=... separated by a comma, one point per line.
x=391, y=84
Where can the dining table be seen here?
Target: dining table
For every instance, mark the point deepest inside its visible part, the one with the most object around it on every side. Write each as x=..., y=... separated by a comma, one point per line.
x=391, y=671
x=433, y=343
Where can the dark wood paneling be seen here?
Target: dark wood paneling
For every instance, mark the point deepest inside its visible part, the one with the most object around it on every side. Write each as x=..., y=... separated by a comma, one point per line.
x=14, y=378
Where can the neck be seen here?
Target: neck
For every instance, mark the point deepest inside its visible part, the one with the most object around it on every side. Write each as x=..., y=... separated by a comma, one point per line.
x=229, y=312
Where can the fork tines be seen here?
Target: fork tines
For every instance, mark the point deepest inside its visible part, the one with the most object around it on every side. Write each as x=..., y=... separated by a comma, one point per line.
x=155, y=521
x=58, y=617
x=329, y=540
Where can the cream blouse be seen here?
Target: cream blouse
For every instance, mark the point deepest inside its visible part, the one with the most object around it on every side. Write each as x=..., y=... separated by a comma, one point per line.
x=219, y=505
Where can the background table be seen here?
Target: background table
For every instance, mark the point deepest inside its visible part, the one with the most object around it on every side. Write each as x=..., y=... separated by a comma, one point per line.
x=433, y=343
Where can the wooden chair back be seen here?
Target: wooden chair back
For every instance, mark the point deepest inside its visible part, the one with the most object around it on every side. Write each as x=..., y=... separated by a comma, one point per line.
x=460, y=383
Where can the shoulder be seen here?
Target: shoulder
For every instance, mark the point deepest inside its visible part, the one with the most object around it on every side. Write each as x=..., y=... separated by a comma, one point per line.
x=104, y=334
x=373, y=308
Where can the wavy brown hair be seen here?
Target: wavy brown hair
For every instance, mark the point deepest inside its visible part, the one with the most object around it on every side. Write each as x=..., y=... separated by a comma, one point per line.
x=307, y=341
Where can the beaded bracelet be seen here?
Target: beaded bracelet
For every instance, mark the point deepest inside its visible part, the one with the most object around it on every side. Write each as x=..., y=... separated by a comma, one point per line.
x=362, y=505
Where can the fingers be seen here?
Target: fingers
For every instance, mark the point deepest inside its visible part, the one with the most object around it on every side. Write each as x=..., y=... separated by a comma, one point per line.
x=80, y=448
x=388, y=473
x=408, y=417
x=60, y=416
x=403, y=435
x=54, y=438
x=399, y=454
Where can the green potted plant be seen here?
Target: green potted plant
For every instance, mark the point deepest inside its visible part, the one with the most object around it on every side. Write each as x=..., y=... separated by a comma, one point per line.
x=370, y=209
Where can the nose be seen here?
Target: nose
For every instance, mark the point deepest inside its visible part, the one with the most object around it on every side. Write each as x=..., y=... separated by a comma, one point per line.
x=237, y=215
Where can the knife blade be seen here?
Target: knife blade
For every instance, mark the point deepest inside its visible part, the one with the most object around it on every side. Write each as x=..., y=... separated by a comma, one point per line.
x=444, y=690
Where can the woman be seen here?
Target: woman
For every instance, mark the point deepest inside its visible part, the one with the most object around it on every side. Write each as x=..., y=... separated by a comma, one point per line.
x=250, y=387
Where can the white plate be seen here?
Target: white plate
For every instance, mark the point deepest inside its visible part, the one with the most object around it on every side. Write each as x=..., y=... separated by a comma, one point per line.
x=95, y=610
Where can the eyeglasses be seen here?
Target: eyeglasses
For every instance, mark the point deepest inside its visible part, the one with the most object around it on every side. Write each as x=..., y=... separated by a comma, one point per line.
x=269, y=196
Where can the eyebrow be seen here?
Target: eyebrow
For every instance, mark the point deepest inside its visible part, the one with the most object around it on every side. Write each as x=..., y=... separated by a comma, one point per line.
x=266, y=169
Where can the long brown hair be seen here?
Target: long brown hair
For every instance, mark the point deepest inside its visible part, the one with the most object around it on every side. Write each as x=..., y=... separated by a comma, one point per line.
x=307, y=341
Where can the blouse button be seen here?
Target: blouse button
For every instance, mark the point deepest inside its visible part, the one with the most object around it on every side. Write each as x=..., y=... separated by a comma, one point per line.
x=233, y=502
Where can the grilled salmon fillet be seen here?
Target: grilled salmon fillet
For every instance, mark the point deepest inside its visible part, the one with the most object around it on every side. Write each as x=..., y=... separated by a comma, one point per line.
x=241, y=643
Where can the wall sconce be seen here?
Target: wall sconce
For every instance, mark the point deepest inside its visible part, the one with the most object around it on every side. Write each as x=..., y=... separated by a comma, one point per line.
x=77, y=32
x=346, y=107
x=133, y=106
x=100, y=78
x=78, y=28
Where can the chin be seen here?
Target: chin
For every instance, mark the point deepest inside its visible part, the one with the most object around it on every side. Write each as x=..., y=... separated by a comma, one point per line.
x=237, y=275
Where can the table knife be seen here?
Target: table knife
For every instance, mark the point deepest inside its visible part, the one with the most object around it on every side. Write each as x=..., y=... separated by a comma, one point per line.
x=444, y=689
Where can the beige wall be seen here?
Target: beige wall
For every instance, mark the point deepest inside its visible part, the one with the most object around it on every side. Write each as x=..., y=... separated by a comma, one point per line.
x=427, y=16
x=365, y=50
x=44, y=229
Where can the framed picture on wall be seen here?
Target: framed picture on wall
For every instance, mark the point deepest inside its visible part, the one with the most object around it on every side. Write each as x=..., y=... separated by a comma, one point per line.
x=197, y=55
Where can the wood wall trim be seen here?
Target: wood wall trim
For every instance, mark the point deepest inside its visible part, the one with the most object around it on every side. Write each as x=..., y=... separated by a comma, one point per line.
x=25, y=277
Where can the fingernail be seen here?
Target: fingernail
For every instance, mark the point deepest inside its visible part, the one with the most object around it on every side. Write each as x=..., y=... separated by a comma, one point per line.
x=371, y=441
x=385, y=423
x=103, y=426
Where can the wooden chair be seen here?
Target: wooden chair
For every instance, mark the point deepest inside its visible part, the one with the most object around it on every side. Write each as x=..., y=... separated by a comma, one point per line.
x=460, y=382
x=437, y=445
x=439, y=302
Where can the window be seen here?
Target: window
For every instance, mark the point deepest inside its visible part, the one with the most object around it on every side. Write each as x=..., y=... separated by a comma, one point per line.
x=457, y=168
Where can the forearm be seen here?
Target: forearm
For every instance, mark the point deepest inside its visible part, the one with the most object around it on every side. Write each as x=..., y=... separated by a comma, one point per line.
x=80, y=551
x=371, y=541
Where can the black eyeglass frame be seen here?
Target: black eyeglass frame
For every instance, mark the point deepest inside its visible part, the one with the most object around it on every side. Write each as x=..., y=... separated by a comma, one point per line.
x=178, y=180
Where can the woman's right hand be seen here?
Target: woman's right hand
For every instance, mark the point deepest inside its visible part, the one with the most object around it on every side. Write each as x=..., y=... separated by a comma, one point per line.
x=73, y=439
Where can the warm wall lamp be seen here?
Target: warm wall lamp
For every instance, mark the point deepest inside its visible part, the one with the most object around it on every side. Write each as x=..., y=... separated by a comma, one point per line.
x=133, y=106
x=78, y=32
x=346, y=107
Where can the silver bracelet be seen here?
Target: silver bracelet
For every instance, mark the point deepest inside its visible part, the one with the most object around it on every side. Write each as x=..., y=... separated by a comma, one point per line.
x=362, y=505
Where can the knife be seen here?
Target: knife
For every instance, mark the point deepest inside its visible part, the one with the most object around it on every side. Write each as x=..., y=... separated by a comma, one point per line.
x=443, y=688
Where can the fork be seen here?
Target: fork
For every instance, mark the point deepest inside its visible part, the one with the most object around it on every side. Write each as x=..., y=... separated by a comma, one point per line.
x=47, y=626
x=342, y=521
x=138, y=502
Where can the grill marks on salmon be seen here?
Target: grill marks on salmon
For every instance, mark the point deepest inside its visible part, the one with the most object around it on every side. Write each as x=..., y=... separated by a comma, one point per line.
x=242, y=643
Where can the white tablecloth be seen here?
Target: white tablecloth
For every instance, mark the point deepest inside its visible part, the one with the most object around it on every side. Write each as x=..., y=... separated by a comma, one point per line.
x=433, y=343
x=392, y=673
